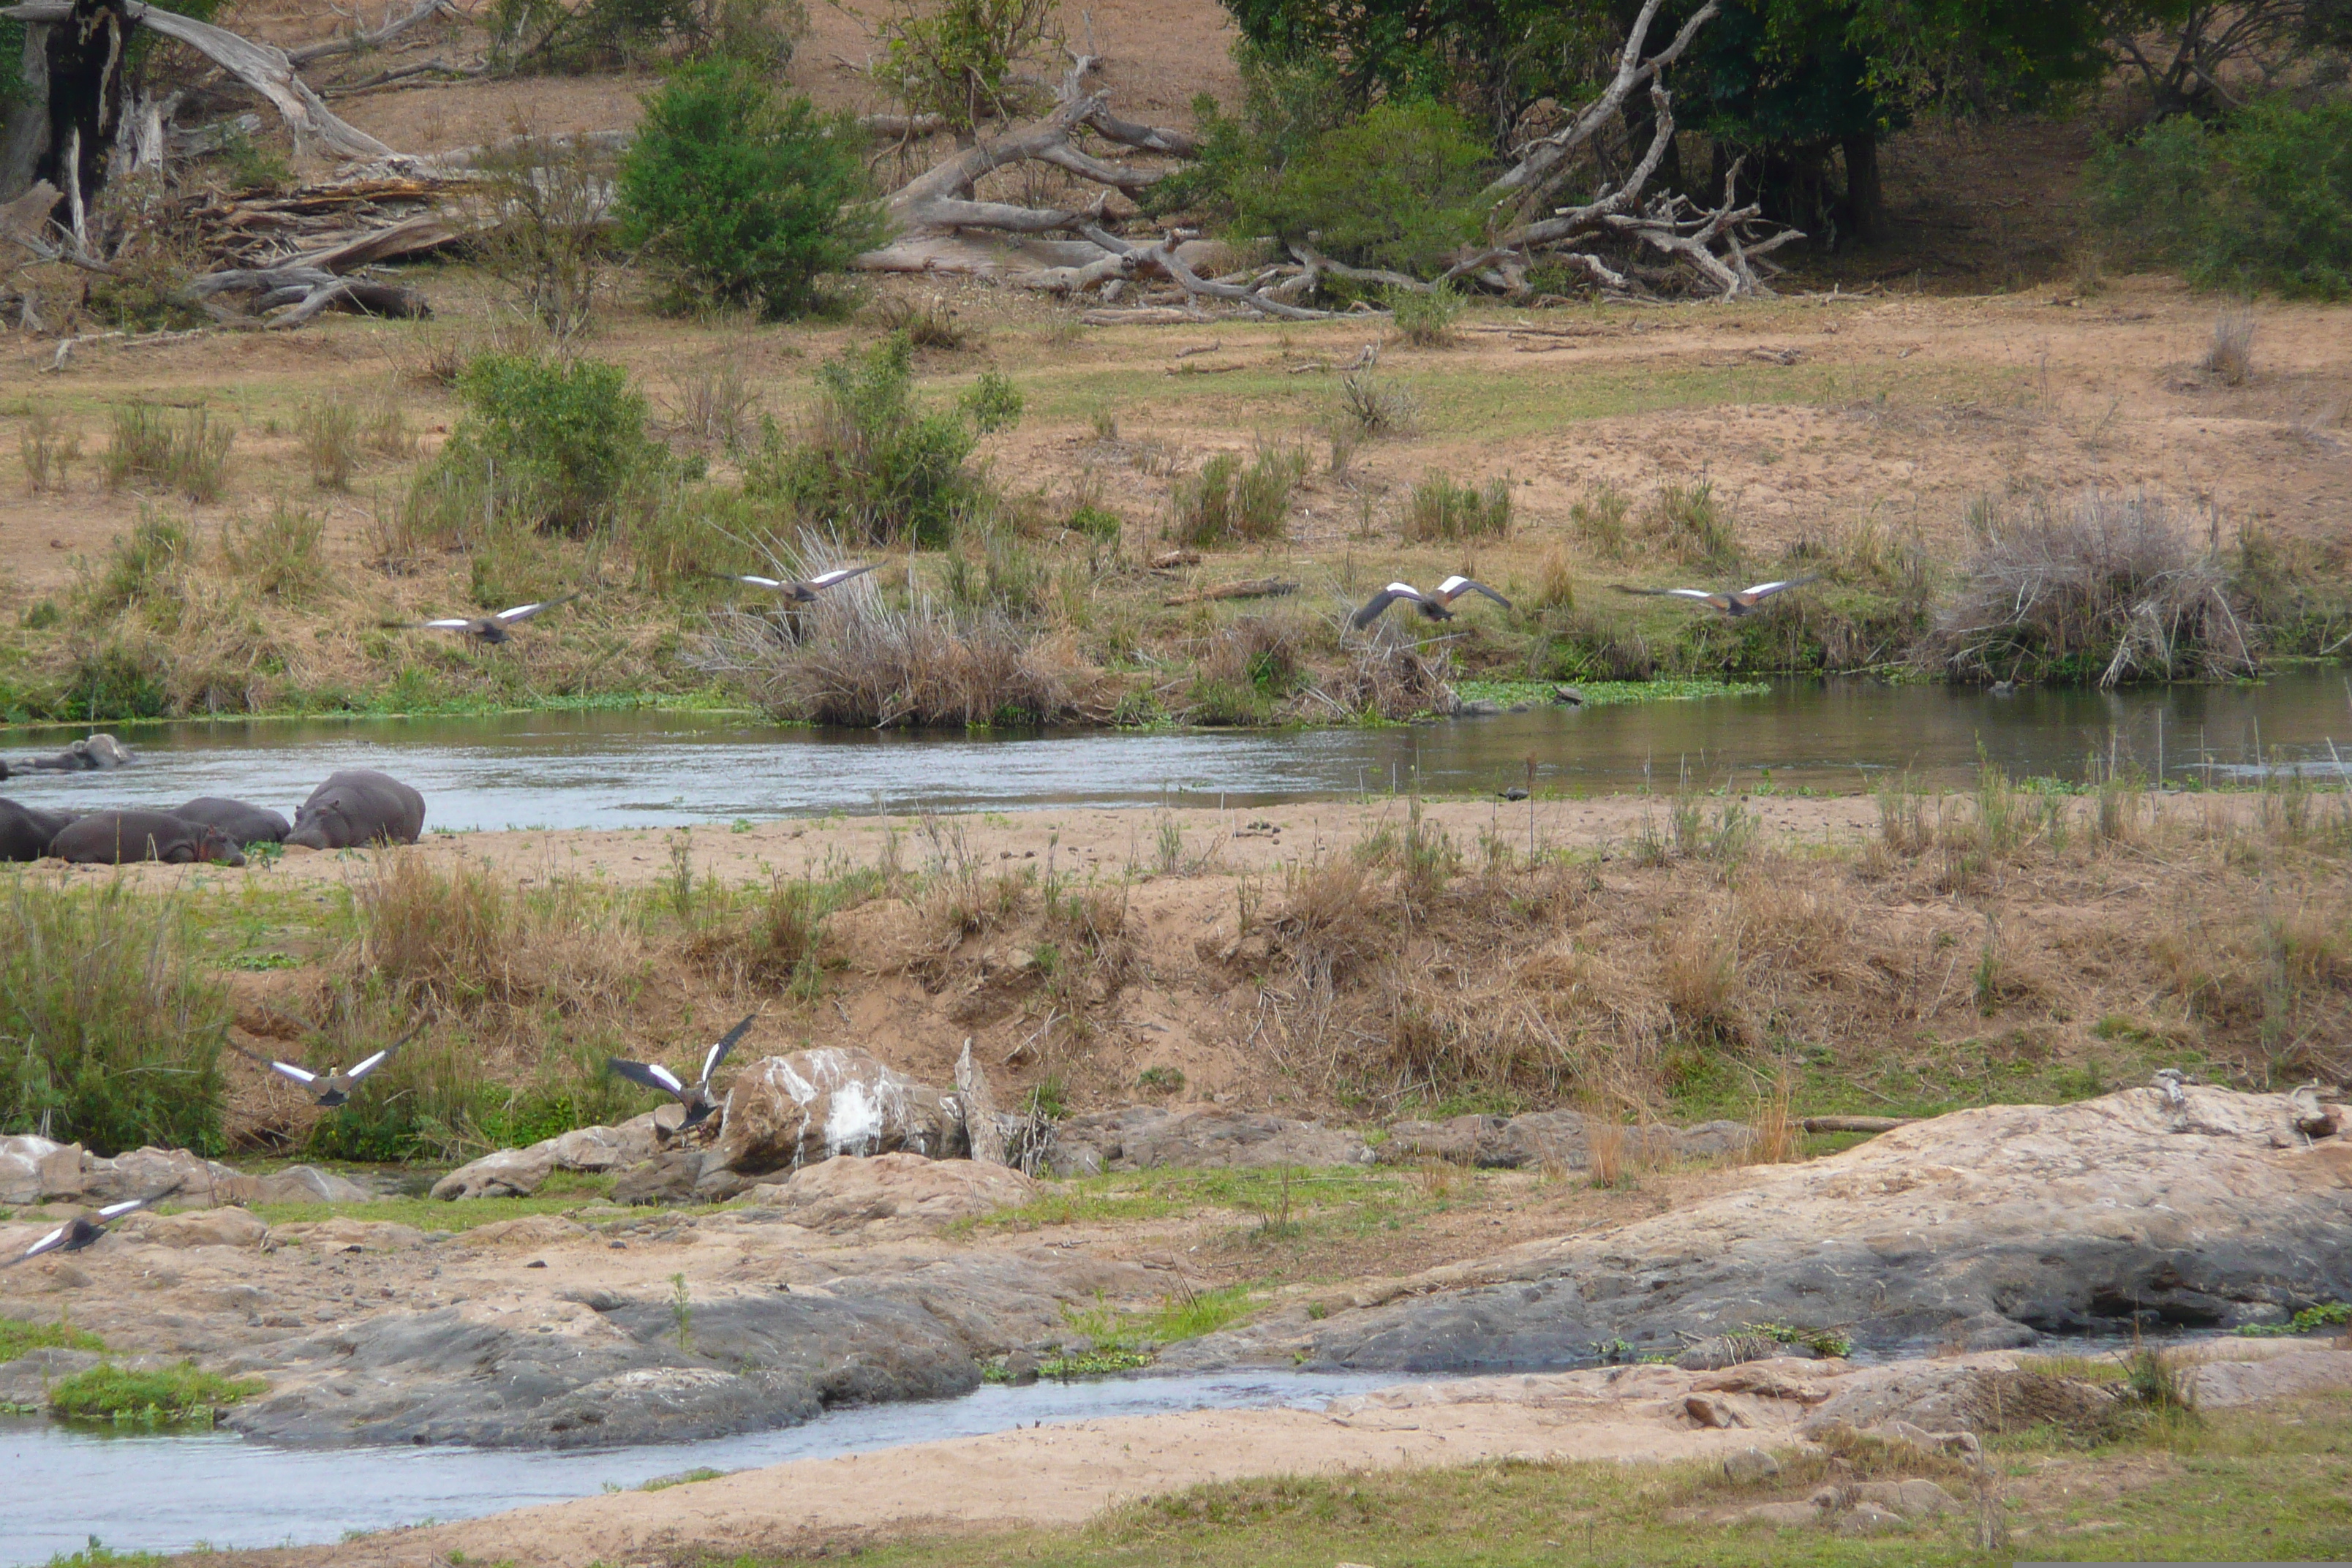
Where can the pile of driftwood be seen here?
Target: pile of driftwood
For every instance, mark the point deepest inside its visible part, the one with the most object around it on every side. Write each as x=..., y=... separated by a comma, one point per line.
x=291, y=256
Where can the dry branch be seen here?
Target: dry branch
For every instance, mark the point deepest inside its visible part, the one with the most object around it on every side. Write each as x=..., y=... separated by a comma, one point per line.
x=357, y=39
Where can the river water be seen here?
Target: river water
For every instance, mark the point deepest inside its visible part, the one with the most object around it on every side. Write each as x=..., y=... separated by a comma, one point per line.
x=651, y=769
x=159, y=1493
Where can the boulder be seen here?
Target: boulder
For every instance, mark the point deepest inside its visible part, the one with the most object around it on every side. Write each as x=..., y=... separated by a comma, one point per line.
x=199, y=1227
x=1910, y=1499
x=784, y=1112
x=22, y=1160
x=666, y=1178
x=508, y=1174
x=844, y=1193
x=2000, y=1225
x=518, y=1173
x=26, y=1380
x=1149, y=1137
x=605, y=1148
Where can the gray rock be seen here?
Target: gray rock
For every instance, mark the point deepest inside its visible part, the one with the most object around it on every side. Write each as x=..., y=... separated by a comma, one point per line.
x=667, y=1178
x=1021, y=1369
x=1868, y=1519
x=26, y=1380
x=1149, y=1137
x=1909, y=1500
x=1781, y=1515
x=1750, y=1466
x=2008, y=1223
x=784, y=1113
x=508, y=1174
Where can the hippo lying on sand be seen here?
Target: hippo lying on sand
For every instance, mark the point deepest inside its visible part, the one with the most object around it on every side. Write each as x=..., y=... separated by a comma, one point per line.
x=245, y=825
x=117, y=838
x=358, y=806
x=25, y=831
x=96, y=753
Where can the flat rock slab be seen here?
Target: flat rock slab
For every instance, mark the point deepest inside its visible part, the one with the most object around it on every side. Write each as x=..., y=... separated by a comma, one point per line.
x=1991, y=1228
x=1150, y=1137
x=846, y=1193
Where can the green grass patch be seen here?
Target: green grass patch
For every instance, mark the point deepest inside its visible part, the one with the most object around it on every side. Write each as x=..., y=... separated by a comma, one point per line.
x=684, y=1478
x=2247, y=1486
x=18, y=1338
x=181, y=1396
x=97, y=1555
x=2310, y=1320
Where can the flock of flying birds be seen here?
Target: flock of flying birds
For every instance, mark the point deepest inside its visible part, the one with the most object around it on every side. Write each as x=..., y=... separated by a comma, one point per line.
x=333, y=1089
x=1436, y=605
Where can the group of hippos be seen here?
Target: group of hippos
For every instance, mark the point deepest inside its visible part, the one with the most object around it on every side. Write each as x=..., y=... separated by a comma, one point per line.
x=354, y=808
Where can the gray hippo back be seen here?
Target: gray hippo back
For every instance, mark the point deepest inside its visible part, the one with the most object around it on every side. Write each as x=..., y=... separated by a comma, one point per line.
x=119, y=838
x=25, y=831
x=245, y=825
x=359, y=806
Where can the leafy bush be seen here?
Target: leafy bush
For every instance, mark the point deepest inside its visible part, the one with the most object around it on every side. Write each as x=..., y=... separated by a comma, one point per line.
x=178, y=1395
x=743, y=197
x=282, y=555
x=962, y=60
x=2261, y=200
x=1288, y=101
x=1225, y=501
x=565, y=437
x=137, y=562
x=1397, y=188
x=1440, y=508
x=109, y=1033
x=873, y=464
x=1426, y=318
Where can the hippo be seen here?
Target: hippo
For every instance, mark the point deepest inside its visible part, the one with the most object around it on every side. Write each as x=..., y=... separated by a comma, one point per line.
x=117, y=838
x=358, y=806
x=245, y=825
x=25, y=831
x=95, y=753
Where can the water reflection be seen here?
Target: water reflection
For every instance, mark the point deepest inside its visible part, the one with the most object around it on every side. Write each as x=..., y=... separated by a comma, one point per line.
x=612, y=770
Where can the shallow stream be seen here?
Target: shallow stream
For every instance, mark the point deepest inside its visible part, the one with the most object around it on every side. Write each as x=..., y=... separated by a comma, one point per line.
x=168, y=1493
x=653, y=769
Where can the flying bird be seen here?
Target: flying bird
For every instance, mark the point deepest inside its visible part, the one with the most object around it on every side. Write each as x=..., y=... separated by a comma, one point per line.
x=1731, y=601
x=1436, y=606
x=796, y=590
x=333, y=1089
x=694, y=1097
x=82, y=1230
x=484, y=628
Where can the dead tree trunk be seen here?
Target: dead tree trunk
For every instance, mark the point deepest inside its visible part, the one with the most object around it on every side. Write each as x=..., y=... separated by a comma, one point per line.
x=84, y=55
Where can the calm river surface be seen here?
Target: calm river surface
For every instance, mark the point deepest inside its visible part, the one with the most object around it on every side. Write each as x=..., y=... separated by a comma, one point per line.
x=64, y=1486
x=644, y=769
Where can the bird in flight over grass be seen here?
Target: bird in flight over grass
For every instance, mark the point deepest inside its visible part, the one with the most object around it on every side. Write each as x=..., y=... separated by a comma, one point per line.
x=694, y=1097
x=82, y=1229
x=1437, y=606
x=333, y=1089
x=796, y=590
x=483, y=628
x=1731, y=601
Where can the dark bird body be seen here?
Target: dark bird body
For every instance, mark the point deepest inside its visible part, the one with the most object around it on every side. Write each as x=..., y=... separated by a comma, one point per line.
x=82, y=1230
x=694, y=1097
x=1436, y=606
x=484, y=628
x=796, y=590
x=1731, y=601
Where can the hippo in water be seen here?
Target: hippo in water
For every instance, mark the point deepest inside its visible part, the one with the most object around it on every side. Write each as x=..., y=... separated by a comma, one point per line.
x=95, y=753
x=25, y=831
x=119, y=838
x=358, y=806
x=245, y=825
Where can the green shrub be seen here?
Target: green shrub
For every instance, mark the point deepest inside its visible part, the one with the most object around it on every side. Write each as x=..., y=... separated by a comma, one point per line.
x=2264, y=200
x=742, y=198
x=282, y=555
x=1288, y=101
x=1397, y=188
x=1690, y=524
x=566, y=440
x=962, y=60
x=181, y=449
x=1226, y=501
x=109, y=1034
x=123, y=678
x=1440, y=508
x=137, y=562
x=1426, y=319
x=872, y=464
x=180, y=1395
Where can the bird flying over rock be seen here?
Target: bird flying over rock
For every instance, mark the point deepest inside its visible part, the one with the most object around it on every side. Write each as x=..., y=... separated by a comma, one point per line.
x=1436, y=606
x=82, y=1229
x=694, y=1097
x=483, y=628
x=1731, y=601
x=796, y=590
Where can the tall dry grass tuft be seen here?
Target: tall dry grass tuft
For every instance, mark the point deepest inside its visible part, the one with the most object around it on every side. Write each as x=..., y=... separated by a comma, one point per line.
x=1776, y=1126
x=2110, y=586
x=1690, y=523
x=181, y=451
x=2229, y=357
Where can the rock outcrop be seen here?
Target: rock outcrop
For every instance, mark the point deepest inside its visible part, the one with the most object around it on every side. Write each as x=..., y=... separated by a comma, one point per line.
x=1985, y=1228
x=784, y=1112
x=1149, y=1137
x=36, y=1171
x=518, y=1173
x=842, y=1194
x=1542, y=1138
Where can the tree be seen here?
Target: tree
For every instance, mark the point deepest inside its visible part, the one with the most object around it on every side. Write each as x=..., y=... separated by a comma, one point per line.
x=742, y=196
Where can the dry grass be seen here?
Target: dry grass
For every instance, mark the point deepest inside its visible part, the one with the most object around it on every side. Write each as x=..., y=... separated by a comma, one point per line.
x=185, y=451
x=1440, y=508
x=2229, y=357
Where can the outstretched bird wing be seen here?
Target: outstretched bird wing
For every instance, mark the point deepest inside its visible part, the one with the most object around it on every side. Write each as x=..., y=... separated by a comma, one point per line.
x=1701, y=595
x=382, y=1056
x=1453, y=588
x=297, y=1074
x=1765, y=589
x=726, y=1043
x=525, y=612
x=838, y=575
x=48, y=1243
x=751, y=577
x=653, y=1075
x=1382, y=601
x=450, y=625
